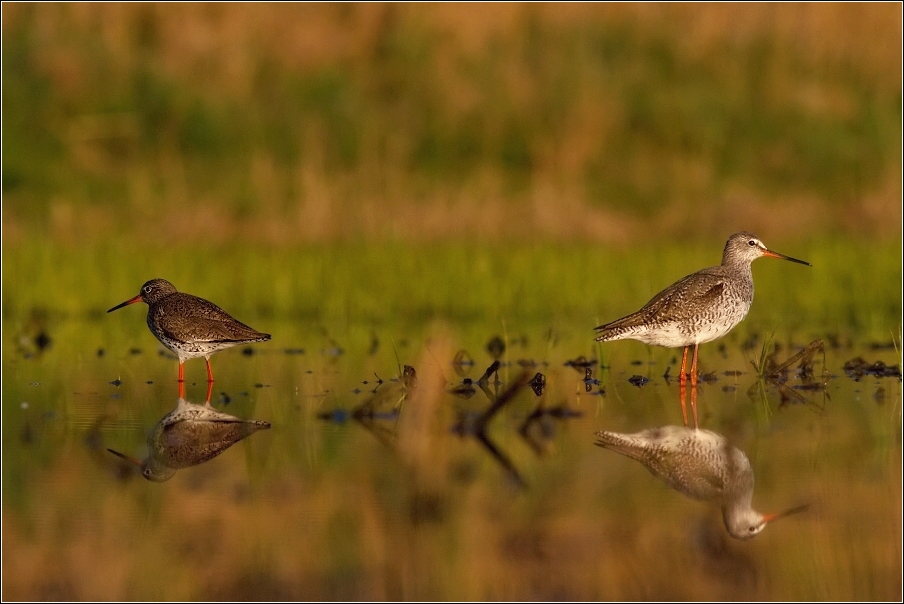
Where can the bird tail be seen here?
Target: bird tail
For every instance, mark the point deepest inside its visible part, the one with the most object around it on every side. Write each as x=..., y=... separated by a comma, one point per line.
x=620, y=443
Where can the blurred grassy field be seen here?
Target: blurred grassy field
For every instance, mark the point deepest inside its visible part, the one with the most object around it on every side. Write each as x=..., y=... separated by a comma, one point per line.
x=290, y=124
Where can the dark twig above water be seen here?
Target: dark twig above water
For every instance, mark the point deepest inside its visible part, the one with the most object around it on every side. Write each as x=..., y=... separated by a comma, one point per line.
x=539, y=427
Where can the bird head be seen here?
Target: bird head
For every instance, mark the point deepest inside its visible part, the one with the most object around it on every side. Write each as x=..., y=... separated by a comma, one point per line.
x=746, y=523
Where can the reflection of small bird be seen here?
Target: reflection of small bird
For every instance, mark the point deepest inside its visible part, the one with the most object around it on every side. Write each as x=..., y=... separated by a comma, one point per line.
x=189, y=435
x=702, y=465
x=190, y=326
x=393, y=394
x=382, y=406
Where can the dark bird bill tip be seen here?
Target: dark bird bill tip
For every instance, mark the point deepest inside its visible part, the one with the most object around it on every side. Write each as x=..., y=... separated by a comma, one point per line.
x=125, y=457
x=798, y=261
x=126, y=303
x=772, y=254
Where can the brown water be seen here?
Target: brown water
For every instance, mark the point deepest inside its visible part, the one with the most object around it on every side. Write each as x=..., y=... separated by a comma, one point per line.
x=377, y=484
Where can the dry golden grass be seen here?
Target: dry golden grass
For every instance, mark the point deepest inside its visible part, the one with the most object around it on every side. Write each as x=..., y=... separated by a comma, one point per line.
x=811, y=58
x=213, y=41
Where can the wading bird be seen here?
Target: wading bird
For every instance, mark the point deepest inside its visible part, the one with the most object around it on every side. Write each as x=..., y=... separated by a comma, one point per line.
x=700, y=308
x=190, y=326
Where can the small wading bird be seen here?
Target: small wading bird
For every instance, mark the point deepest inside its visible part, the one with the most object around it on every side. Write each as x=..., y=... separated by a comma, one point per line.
x=700, y=308
x=701, y=465
x=190, y=326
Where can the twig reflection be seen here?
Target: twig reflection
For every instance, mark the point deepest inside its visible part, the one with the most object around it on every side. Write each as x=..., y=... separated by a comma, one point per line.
x=470, y=425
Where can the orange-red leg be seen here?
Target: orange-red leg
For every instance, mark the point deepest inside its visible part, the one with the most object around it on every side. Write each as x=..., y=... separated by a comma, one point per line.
x=209, y=372
x=694, y=386
x=181, y=372
x=209, y=392
x=181, y=389
x=682, y=381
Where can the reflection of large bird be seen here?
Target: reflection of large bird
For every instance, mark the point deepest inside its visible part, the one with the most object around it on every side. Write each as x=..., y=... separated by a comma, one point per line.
x=702, y=465
x=189, y=435
x=190, y=326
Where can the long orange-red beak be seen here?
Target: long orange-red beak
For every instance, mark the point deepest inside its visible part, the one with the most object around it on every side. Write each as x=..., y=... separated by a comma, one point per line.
x=138, y=299
x=797, y=510
x=769, y=253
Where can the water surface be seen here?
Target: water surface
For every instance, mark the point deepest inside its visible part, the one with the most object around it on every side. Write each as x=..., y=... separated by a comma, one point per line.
x=374, y=484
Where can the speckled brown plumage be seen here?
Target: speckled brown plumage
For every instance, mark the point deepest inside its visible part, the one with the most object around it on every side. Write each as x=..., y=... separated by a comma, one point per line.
x=190, y=326
x=699, y=308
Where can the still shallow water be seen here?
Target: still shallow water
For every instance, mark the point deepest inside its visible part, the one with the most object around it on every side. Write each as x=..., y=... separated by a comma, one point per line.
x=368, y=486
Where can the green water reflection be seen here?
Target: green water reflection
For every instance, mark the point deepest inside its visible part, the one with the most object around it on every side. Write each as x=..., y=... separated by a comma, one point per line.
x=435, y=484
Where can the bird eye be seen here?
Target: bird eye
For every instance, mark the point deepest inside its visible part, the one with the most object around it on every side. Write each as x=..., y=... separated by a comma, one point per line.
x=752, y=242
x=147, y=289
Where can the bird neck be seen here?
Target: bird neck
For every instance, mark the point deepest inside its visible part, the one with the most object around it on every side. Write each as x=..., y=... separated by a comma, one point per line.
x=738, y=266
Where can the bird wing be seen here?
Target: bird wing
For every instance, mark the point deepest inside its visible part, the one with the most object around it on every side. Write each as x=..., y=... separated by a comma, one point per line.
x=195, y=441
x=672, y=304
x=667, y=462
x=205, y=321
x=195, y=307
x=206, y=329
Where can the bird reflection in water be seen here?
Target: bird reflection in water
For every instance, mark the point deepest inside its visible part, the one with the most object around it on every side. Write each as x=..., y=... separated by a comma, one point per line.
x=189, y=435
x=702, y=465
